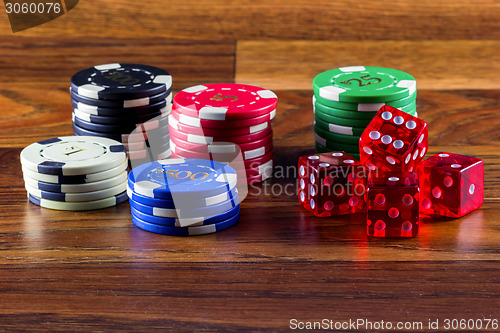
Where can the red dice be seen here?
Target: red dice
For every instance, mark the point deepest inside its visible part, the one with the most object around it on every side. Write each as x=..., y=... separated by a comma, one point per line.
x=451, y=185
x=331, y=184
x=393, y=141
x=393, y=205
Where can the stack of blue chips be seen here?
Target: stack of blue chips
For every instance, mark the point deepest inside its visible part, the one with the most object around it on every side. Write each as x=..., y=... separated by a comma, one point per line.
x=183, y=197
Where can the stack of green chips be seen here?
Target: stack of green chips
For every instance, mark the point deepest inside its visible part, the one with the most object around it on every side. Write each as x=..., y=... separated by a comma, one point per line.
x=346, y=100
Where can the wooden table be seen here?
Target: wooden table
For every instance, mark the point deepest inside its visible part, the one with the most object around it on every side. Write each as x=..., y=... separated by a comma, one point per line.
x=94, y=271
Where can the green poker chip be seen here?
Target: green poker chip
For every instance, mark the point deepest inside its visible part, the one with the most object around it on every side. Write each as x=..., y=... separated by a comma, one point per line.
x=339, y=129
x=326, y=142
x=359, y=84
x=322, y=149
x=366, y=107
x=350, y=114
x=359, y=123
x=335, y=137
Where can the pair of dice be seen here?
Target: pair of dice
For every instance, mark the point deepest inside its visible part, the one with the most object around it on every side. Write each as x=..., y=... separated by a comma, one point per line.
x=391, y=183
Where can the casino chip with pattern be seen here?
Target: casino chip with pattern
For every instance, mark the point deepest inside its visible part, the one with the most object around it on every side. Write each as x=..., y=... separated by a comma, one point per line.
x=346, y=99
x=183, y=197
x=236, y=116
x=75, y=173
x=125, y=102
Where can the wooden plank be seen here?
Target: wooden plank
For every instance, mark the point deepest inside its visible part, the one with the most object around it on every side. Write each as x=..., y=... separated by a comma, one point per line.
x=278, y=19
x=57, y=59
x=437, y=65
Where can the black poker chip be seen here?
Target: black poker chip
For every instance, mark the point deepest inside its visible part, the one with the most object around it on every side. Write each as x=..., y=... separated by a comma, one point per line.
x=121, y=81
x=123, y=104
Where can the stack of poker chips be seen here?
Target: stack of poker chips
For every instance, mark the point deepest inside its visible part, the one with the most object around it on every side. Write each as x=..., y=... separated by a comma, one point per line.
x=183, y=197
x=346, y=100
x=229, y=123
x=75, y=173
x=125, y=102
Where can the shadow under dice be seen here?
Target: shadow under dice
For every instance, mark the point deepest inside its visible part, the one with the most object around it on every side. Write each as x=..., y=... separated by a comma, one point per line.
x=394, y=140
x=393, y=205
x=331, y=184
x=451, y=185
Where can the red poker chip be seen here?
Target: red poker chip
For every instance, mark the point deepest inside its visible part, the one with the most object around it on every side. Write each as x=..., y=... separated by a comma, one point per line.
x=225, y=124
x=201, y=139
x=220, y=147
x=225, y=132
x=226, y=158
x=255, y=179
x=229, y=156
x=225, y=101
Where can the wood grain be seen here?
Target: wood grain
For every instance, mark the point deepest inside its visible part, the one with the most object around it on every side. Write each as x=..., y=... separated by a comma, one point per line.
x=278, y=19
x=442, y=65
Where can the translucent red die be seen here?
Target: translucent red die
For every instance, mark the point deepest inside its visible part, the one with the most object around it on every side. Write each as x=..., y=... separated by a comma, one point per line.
x=393, y=141
x=331, y=184
x=451, y=185
x=393, y=205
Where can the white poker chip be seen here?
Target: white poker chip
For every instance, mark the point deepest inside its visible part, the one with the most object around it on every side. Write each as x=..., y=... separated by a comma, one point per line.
x=73, y=155
x=78, y=179
x=76, y=188
x=77, y=197
x=79, y=206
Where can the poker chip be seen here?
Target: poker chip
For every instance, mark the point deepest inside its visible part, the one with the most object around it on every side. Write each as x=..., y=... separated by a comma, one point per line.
x=369, y=107
x=163, y=106
x=122, y=128
x=225, y=101
x=360, y=84
x=341, y=138
x=185, y=213
x=226, y=124
x=339, y=129
x=76, y=179
x=201, y=139
x=128, y=103
x=207, y=131
x=77, y=197
x=118, y=120
x=76, y=188
x=172, y=222
x=350, y=114
x=223, y=147
x=346, y=100
x=121, y=81
x=79, y=206
x=334, y=145
x=123, y=104
x=224, y=156
x=185, y=231
x=181, y=204
x=182, y=178
x=67, y=156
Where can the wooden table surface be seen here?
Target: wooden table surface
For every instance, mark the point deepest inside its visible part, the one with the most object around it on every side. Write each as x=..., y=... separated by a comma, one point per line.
x=94, y=271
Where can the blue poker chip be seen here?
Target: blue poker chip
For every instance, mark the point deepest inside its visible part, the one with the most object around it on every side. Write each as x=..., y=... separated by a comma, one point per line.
x=183, y=204
x=182, y=179
x=121, y=81
x=185, y=231
x=127, y=112
x=185, y=212
x=171, y=222
x=123, y=104
x=160, y=124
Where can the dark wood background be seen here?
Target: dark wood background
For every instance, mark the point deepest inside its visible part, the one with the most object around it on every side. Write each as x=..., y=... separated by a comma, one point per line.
x=94, y=271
